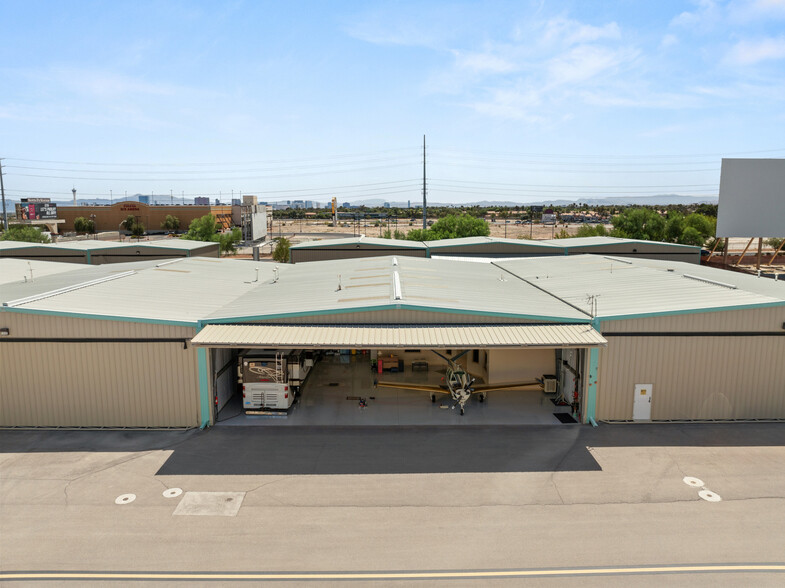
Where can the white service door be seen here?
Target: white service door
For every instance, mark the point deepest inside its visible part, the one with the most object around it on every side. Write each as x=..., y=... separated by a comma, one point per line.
x=641, y=406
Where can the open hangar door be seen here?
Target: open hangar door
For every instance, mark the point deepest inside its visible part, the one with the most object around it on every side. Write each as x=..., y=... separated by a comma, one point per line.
x=385, y=374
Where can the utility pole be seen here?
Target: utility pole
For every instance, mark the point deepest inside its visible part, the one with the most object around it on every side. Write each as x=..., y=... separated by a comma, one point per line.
x=424, y=205
x=2, y=191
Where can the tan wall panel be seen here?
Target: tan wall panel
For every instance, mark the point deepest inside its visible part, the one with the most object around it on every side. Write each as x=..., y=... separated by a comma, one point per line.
x=96, y=384
x=511, y=365
x=108, y=218
x=318, y=254
x=694, y=377
x=763, y=319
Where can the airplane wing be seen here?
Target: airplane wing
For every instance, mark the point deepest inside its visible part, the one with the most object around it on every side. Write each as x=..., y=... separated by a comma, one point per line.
x=490, y=387
x=422, y=387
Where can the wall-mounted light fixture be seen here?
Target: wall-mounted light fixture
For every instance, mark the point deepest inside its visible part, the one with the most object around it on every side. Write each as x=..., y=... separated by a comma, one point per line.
x=5, y=332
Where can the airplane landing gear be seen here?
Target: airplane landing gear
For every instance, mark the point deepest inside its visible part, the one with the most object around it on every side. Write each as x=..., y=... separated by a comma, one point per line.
x=433, y=397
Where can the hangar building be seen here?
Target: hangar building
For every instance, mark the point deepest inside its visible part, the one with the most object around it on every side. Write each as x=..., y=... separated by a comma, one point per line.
x=491, y=247
x=156, y=344
x=94, y=252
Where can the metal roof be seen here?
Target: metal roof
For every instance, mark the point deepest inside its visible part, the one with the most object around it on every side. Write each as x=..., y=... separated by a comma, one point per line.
x=575, y=242
x=489, y=242
x=184, y=290
x=15, y=270
x=362, y=284
x=551, y=289
x=626, y=287
x=362, y=239
x=397, y=336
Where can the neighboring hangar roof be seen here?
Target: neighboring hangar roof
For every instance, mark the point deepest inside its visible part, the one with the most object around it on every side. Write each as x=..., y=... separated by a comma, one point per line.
x=574, y=242
x=489, y=241
x=628, y=288
x=398, y=336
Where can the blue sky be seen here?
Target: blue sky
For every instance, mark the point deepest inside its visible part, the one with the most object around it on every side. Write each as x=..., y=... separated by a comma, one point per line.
x=305, y=100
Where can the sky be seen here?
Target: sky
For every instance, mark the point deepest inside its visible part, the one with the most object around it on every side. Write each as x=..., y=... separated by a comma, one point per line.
x=518, y=101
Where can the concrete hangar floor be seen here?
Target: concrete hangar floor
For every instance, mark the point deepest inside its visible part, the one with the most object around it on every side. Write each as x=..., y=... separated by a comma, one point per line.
x=331, y=396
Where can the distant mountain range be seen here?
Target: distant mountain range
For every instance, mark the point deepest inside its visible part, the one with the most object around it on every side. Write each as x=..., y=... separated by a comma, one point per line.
x=659, y=200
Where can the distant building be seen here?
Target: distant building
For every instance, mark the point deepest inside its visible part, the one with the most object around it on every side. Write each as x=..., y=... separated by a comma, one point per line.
x=236, y=202
x=202, y=201
x=387, y=205
x=144, y=199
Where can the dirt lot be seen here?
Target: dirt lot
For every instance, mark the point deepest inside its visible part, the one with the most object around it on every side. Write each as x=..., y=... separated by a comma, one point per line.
x=307, y=230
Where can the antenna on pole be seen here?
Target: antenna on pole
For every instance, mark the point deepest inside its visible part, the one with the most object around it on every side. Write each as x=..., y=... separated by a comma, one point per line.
x=424, y=204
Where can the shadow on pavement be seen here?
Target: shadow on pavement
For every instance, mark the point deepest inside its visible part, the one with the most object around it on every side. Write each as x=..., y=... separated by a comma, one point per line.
x=391, y=450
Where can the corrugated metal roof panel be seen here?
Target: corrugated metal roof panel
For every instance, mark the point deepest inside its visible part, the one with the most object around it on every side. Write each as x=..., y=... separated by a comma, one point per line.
x=625, y=287
x=397, y=336
x=576, y=242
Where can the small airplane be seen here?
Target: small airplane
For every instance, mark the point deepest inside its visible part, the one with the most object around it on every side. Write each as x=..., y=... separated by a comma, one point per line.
x=457, y=382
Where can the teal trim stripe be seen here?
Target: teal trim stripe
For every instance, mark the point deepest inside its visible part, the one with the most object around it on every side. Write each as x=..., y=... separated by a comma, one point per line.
x=621, y=317
x=590, y=408
x=100, y=317
x=204, y=388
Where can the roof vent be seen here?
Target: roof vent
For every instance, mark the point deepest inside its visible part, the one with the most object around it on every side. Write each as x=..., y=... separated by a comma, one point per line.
x=397, y=286
x=395, y=261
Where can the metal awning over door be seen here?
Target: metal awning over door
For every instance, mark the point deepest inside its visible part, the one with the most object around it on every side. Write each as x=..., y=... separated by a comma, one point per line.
x=398, y=336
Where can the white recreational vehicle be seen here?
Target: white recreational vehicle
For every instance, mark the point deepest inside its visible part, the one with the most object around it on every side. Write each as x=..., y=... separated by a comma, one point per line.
x=272, y=379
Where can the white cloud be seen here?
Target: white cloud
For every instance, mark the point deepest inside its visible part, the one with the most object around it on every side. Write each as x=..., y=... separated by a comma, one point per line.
x=586, y=62
x=669, y=41
x=485, y=62
x=706, y=14
x=752, y=52
x=744, y=11
x=571, y=32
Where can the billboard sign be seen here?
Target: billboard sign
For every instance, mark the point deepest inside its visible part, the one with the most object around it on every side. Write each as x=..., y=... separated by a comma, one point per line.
x=36, y=211
x=752, y=198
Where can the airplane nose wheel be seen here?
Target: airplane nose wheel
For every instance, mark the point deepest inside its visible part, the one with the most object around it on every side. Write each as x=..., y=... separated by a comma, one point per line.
x=433, y=397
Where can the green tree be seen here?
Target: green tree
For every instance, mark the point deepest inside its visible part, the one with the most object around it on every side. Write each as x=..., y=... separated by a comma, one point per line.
x=204, y=228
x=80, y=224
x=591, y=231
x=171, y=223
x=674, y=227
x=774, y=242
x=228, y=241
x=26, y=233
x=452, y=226
x=691, y=236
x=281, y=251
x=137, y=230
x=128, y=223
x=639, y=223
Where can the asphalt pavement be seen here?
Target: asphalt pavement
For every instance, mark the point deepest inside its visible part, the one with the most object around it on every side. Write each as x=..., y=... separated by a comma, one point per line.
x=464, y=506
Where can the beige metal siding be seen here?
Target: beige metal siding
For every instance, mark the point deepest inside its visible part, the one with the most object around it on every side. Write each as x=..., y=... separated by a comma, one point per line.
x=761, y=319
x=99, y=384
x=696, y=377
x=319, y=254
